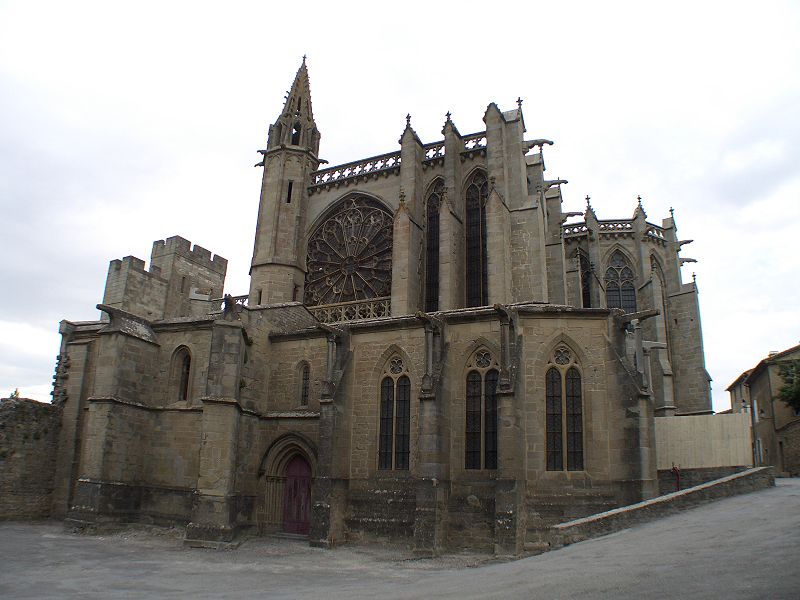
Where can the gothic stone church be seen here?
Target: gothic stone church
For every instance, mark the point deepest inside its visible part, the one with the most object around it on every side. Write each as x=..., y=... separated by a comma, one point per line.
x=427, y=355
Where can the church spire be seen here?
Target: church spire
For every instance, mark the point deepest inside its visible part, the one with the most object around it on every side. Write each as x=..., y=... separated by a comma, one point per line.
x=295, y=125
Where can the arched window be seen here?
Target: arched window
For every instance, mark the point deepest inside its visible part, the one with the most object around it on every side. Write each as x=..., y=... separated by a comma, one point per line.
x=305, y=380
x=181, y=374
x=586, y=280
x=394, y=438
x=480, y=433
x=477, y=264
x=296, y=134
x=563, y=413
x=619, y=280
x=432, y=204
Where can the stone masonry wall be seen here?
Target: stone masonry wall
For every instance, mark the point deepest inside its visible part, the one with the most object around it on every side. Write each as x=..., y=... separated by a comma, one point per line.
x=691, y=380
x=28, y=444
x=789, y=437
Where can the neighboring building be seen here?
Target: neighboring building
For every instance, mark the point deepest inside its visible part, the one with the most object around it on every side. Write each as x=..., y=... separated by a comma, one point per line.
x=427, y=353
x=776, y=425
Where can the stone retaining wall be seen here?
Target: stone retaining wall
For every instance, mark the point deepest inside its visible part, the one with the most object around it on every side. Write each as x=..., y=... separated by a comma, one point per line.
x=693, y=477
x=627, y=516
x=28, y=443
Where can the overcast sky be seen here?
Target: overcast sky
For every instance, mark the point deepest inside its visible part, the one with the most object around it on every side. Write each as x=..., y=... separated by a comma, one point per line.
x=124, y=123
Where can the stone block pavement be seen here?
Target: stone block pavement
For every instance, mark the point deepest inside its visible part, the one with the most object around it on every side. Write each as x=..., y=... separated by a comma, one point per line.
x=735, y=548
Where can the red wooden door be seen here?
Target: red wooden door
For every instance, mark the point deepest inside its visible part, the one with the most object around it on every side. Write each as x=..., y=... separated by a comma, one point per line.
x=297, y=496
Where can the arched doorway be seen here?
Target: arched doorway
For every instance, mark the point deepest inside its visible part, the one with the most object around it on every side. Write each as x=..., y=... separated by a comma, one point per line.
x=297, y=496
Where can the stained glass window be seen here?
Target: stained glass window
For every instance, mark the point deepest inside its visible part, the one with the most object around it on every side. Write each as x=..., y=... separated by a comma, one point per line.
x=555, y=461
x=403, y=423
x=386, y=432
x=432, y=247
x=394, y=437
x=563, y=413
x=477, y=265
x=586, y=281
x=619, y=280
x=574, y=421
x=350, y=254
x=472, y=456
x=480, y=434
x=490, y=420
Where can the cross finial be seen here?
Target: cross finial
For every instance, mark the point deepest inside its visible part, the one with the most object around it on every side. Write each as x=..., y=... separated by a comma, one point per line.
x=447, y=115
x=304, y=59
x=408, y=120
x=519, y=102
x=671, y=212
x=639, y=199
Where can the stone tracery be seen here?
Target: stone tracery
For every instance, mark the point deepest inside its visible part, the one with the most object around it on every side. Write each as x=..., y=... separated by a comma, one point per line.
x=350, y=254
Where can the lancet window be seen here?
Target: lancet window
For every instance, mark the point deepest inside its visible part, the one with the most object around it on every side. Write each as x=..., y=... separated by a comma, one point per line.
x=480, y=439
x=586, y=280
x=305, y=382
x=620, y=284
x=350, y=254
x=563, y=413
x=477, y=264
x=395, y=416
x=181, y=373
x=432, y=204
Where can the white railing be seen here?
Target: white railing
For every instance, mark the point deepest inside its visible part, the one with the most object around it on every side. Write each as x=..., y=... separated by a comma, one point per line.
x=355, y=310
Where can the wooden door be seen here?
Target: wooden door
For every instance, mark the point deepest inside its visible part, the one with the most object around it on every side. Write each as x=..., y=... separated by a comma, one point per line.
x=297, y=496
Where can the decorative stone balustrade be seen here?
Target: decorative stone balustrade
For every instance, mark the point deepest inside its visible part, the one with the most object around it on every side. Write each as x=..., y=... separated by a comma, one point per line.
x=352, y=311
x=615, y=226
x=376, y=166
x=475, y=141
x=434, y=151
x=654, y=231
x=574, y=230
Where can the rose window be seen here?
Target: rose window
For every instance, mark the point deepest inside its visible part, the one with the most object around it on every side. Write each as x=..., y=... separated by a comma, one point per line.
x=350, y=254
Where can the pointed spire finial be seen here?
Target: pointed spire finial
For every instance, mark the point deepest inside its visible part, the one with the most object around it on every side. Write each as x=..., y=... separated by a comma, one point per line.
x=408, y=120
x=402, y=196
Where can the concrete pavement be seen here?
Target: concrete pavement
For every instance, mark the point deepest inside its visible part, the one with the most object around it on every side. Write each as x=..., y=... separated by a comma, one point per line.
x=741, y=547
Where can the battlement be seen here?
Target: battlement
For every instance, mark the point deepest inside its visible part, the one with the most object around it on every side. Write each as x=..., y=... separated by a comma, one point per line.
x=133, y=264
x=183, y=247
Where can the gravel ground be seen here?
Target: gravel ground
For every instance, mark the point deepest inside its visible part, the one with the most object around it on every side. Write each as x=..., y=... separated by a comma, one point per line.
x=743, y=547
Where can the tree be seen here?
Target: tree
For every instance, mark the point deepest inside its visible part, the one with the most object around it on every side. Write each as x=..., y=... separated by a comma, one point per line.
x=790, y=391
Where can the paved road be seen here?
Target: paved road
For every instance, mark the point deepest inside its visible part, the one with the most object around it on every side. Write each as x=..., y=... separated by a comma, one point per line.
x=743, y=547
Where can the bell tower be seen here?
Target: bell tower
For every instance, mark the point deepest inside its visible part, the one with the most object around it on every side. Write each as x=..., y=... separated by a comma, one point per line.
x=277, y=271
